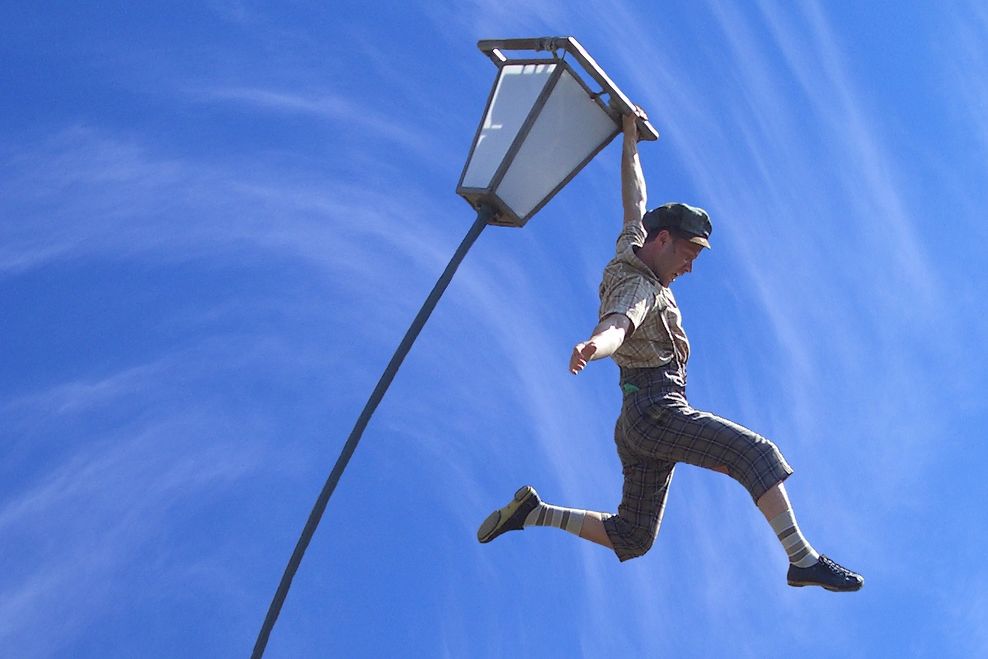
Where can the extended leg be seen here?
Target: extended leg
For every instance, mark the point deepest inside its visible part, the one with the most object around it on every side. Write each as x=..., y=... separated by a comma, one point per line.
x=806, y=566
x=682, y=434
x=527, y=509
x=777, y=509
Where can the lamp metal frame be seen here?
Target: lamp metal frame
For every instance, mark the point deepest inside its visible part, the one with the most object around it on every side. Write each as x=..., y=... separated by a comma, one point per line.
x=617, y=105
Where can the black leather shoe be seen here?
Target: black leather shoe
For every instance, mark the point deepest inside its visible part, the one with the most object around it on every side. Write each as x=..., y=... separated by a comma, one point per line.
x=511, y=517
x=827, y=574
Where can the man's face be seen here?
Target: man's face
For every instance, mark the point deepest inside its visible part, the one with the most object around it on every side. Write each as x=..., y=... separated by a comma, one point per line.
x=675, y=258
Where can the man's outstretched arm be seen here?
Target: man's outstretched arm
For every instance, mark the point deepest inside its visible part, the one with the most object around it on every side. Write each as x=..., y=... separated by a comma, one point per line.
x=633, y=193
x=606, y=338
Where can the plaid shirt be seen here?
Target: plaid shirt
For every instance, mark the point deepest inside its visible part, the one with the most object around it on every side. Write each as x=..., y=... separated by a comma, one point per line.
x=630, y=288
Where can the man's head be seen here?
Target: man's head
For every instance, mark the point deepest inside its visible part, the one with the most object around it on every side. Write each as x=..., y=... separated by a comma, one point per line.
x=689, y=222
x=675, y=235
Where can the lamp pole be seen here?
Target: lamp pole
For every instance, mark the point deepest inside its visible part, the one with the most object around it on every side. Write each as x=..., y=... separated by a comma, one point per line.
x=543, y=123
x=484, y=214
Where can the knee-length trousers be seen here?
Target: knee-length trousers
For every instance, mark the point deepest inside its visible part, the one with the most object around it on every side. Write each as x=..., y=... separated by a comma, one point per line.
x=656, y=430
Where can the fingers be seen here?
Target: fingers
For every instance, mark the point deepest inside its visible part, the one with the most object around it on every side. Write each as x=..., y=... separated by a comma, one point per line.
x=636, y=112
x=582, y=354
x=576, y=360
x=629, y=121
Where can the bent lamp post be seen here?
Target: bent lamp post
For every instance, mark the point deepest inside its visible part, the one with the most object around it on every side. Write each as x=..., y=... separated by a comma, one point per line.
x=543, y=122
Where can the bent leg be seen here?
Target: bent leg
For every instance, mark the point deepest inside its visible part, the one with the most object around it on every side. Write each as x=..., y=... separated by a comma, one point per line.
x=594, y=531
x=678, y=433
x=643, y=500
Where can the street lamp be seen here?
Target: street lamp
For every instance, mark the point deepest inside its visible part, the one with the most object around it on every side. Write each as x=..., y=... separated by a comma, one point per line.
x=543, y=122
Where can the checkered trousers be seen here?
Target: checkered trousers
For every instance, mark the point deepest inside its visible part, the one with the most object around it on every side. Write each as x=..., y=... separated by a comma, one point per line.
x=658, y=428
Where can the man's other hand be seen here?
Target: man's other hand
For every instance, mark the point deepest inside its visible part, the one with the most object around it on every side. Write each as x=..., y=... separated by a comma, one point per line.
x=582, y=353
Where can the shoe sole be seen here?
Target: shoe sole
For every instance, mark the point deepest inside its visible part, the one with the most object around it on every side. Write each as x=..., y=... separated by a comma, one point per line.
x=488, y=530
x=800, y=584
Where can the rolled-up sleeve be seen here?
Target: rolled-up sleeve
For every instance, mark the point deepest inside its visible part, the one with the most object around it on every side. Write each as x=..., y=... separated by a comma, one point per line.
x=632, y=234
x=630, y=295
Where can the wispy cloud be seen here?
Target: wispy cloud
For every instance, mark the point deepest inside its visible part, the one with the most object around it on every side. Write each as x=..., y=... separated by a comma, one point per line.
x=76, y=534
x=336, y=109
x=965, y=29
x=85, y=193
x=486, y=19
x=327, y=107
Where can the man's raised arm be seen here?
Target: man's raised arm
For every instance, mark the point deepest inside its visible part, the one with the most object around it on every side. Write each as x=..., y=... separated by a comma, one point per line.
x=633, y=195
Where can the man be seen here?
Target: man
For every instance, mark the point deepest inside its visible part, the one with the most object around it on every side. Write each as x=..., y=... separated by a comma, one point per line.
x=641, y=329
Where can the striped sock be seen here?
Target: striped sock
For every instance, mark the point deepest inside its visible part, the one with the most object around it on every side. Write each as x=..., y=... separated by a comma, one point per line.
x=801, y=554
x=568, y=519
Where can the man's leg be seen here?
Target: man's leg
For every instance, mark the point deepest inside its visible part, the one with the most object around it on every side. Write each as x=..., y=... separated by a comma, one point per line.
x=586, y=524
x=806, y=566
x=630, y=533
x=777, y=509
x=593, y=530
x=706, y=440
x=643, y=501
x=527, y=509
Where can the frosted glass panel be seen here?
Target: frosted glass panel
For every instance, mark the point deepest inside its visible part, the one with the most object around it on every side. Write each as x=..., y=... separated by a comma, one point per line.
x=517, y=88
x=570, y=127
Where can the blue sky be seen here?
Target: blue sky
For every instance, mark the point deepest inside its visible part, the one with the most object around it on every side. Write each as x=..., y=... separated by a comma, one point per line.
x=218, y=219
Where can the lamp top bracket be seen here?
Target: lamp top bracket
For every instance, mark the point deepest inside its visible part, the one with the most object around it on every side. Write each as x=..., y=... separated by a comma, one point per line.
x=494, y=49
